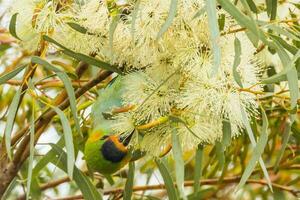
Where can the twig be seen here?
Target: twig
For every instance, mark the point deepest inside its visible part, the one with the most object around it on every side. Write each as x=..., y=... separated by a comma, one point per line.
x=213, y=181
x=48, y=83
x=55, y=183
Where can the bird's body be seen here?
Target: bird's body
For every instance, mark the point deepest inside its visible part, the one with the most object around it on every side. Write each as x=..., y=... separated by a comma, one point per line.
x=105, y=154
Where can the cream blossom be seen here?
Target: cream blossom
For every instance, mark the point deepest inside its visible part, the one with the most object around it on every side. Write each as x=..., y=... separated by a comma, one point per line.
x=167, y=76
x=170, y=76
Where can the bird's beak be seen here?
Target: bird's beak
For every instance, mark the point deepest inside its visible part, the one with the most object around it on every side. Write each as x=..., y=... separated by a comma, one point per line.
x=125, y=139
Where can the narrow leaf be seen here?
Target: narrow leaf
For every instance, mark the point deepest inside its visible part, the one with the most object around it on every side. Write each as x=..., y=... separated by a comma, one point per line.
x=12, y=26
x=170, y=18
x=211, y=6
x=10, y=188
x=77, y=27
x=129, y=182
x=289, y=66
x=252, y=6
x=281, y=31
x=292, y=49
x=198, y=168
x=88, y=190
x=272, y=8
x=291, y=73
x=258, y=150
x=12, y=111
x=31, y=147
x=220, y=154
x=68, y=141
x=237, y=61
x=79, y=56
x=179, y=163
x=68, y=86
x=253, y=142
x=49, y=157
x=11, y=74
x=285, y=140
x=242, y=19
x=221, y=22
x=171, y=190
x=226, y=128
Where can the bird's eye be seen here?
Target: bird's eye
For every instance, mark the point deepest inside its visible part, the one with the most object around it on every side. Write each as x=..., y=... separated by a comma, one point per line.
x=104, y=137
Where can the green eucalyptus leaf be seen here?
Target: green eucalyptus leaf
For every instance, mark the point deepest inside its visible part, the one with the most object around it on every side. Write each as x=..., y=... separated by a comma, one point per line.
x=68, y=141
x=257, y=152
x=198, y=168
x=291, y=73
x=237, y=61
x=252, y=6
x=68, y=86
x=10, y=188
x=129, y=182
x=220, y=154
x=31, y=148
x=285, y=140
x=12, y=112
x=89, y=191
x=242, y=19
x=272, y=8
x=171, y=190
x=179, y=163
x=77, y=27
x=11, y=74
x=282, y=76
x=50, y=156
x=12, y=26
x=79, y=56
x=226, y=129
x=169, y=20
x=211, y=10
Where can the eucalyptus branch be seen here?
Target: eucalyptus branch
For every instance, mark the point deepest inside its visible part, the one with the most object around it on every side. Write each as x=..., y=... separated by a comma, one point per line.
x=81, y=68
x=41, y=124
x=47, y=117
x=48, y=83
x=26, y=77
x=213, y=181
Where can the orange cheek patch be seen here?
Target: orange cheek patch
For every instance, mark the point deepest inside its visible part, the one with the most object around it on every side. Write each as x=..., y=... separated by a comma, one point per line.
x=118, y=144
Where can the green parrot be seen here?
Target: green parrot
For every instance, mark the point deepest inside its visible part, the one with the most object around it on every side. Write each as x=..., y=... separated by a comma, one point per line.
x=105, y=153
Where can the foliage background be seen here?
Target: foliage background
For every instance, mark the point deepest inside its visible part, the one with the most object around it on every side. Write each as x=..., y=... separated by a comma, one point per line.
x=210, y=171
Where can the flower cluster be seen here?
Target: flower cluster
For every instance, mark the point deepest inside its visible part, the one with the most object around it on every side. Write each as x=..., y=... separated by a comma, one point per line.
x=165, y=77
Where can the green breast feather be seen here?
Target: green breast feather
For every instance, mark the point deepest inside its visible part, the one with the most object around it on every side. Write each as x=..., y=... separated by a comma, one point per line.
x=104, y=156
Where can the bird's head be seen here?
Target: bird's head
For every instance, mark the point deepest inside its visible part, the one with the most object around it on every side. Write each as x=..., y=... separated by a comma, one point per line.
x=121, y=141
